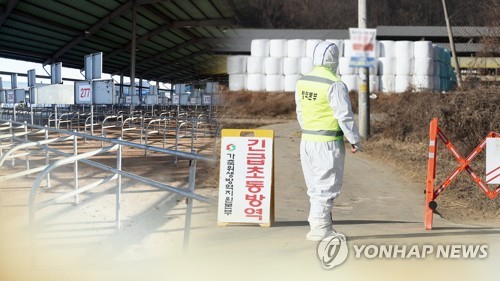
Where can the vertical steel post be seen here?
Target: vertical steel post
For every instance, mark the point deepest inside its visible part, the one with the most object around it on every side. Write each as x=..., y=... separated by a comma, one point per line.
x=47, y=155
x=11, y=132
x=31, y=114
x=118, y=185
x=189, y=201
x=26, y=150
x=75, y=168
x=91, y=119
x=55, y=116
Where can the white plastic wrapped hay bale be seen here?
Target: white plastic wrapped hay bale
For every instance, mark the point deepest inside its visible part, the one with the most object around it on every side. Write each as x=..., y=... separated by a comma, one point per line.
x=256, y=82
x=423, y=82
x=351, y=81
x=373, y=70
x=278, y=48
x=306, y=65
x=423, y=49
x=374, y=83
x=435, y=52
x=423, y=66
x=386, y=48
x=344, y=68
x=255, y=65
x=296, y=48
x=386, y=66
x=236, y=64
x=404, y=66
x=387, y=83
x=275, y=83
x=237, y=82
x=403, y=83
x=291, y=81
x=310, y=45
x=436, y=65
x=403, y=49
x=436, y=84
x=348, y=52
x=340, y=45
x=273, y=66
x=447, y=56
x=291, y=66
x=259, y=48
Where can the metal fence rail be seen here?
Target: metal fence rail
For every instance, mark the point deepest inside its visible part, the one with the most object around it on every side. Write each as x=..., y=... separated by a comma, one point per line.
x=17, y=129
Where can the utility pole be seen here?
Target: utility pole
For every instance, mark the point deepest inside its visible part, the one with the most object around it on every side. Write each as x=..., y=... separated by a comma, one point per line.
x=452, y=45
x=364, y=89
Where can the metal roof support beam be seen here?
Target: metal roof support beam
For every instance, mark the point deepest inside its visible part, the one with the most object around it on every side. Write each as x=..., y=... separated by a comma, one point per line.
x=163, y=53
x=201, y=23
x=158, y=14
x=93, y=29
x=143, y=38
x=193, y=55
x=10, y=6
x=233, y=8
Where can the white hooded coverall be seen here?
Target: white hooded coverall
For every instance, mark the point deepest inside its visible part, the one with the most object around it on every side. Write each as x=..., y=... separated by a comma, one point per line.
x=323, y=162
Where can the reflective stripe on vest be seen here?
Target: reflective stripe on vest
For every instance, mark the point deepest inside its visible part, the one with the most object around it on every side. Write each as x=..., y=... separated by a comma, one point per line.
x=317, y=115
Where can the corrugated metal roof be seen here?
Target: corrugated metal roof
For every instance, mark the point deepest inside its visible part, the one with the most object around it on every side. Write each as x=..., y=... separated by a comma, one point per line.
x=168, y=33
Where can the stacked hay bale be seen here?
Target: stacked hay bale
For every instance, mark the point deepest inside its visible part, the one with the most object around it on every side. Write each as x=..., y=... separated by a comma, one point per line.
x=277, y=64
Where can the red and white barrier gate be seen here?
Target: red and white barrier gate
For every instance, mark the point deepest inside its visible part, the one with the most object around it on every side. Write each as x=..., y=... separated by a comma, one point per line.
x=433, y=191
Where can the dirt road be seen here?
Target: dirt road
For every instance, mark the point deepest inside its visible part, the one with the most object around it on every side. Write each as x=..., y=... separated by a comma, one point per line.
x=377, y=207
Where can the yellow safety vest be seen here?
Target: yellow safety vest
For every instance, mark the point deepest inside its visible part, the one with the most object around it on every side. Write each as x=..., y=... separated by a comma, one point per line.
x=318, y=123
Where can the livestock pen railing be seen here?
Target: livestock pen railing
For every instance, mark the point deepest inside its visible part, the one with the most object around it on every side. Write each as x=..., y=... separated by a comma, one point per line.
x=149, y=126
x=17, y=135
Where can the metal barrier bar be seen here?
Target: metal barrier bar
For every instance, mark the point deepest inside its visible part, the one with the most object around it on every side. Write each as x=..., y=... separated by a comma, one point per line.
x=53, y=166
x=182, y=154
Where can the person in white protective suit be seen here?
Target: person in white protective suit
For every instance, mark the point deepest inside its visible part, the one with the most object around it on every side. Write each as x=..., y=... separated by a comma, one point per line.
x=325, y=117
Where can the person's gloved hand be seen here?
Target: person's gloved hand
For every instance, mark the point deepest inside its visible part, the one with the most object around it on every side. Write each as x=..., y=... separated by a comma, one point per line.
x=356, y=147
